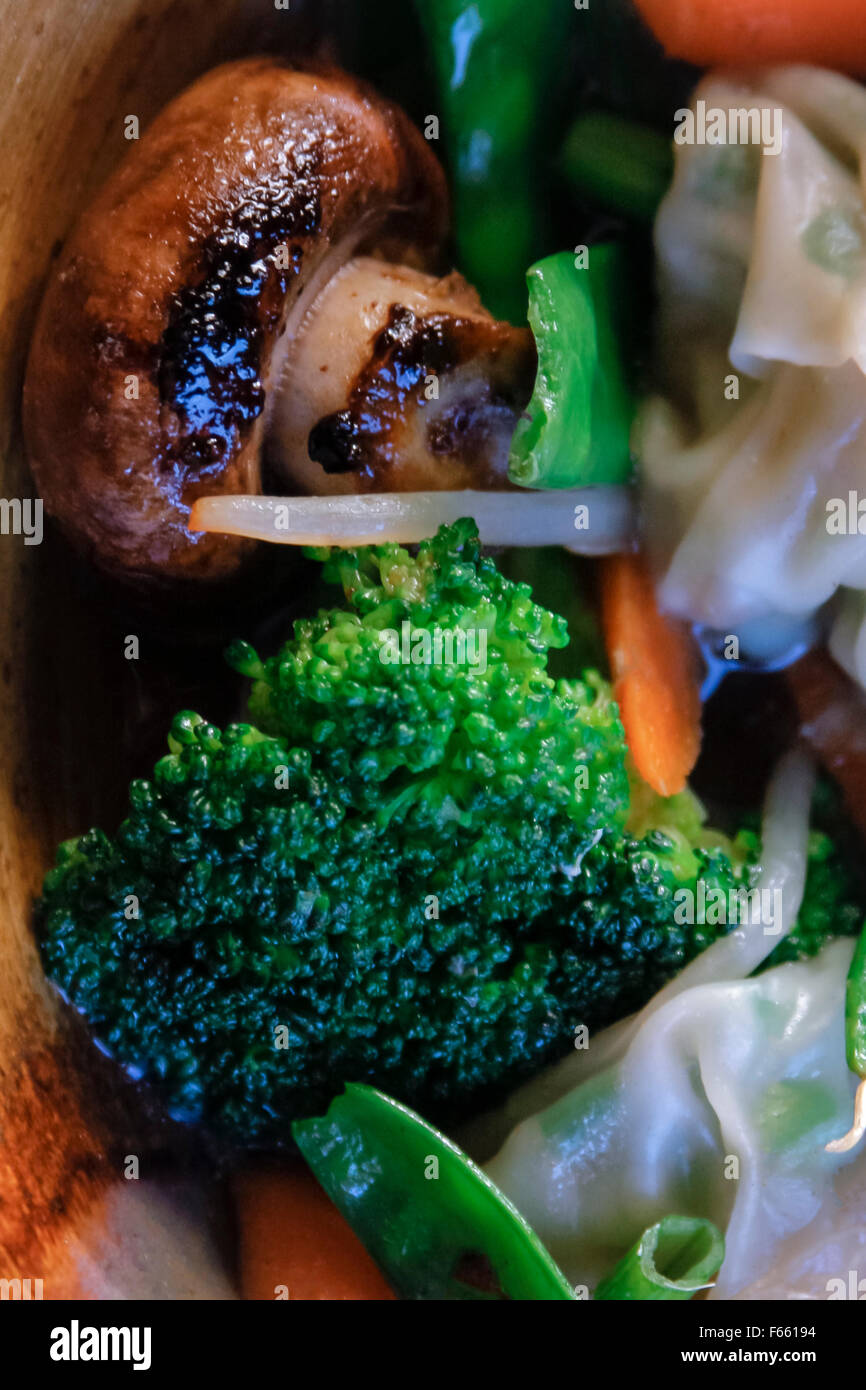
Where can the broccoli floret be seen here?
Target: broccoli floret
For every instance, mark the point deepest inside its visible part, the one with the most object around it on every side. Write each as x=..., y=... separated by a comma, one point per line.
x=228, y=909
x=409, y=873
x=834, y=897
x=490, y=741
x=834, y=894
x=833, y=903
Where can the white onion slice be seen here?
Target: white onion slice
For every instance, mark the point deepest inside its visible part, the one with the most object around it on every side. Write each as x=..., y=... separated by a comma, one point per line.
x=590, y=521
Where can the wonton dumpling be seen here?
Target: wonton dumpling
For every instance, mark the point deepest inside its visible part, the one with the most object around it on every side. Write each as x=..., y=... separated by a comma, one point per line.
x=720, y=1107
x=750, y=500
x=715, y=1100
x=762, y=276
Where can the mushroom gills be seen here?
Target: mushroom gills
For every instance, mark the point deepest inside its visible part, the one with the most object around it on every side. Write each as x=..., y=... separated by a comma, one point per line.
x=396, y=380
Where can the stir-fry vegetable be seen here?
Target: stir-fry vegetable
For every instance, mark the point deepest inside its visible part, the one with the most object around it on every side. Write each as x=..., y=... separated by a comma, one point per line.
x=672, y=1260
x=433, y=1221
x=293, y=1242
x=563, y=583
x=495, y=62
x=576, y=429
x=654, y=669
x=832, y=711
x=832, y=33
x=618, y=163
x=591, y=521
x=411, y=868
x=855, y=1045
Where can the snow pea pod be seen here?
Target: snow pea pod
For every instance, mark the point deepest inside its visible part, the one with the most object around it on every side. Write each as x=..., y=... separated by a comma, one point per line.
x=855, y=1045
x=435, y=1224
x=495, y=64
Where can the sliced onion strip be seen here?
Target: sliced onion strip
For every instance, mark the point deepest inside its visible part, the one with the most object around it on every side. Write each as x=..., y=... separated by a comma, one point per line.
x=590, y=521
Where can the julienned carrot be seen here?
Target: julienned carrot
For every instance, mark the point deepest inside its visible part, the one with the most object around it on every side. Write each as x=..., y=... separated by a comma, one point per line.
x=655, y=677
x=829, y=33
x=295, y=1244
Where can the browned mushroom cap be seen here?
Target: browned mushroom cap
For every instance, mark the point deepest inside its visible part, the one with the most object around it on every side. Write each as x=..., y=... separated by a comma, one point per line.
x=152, y=353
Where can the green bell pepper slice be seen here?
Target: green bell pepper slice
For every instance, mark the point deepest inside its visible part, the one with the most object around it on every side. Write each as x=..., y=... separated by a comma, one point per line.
x=575, y=431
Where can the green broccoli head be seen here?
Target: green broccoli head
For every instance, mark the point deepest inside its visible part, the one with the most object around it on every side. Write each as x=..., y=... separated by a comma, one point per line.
x=415, y=873
x=431, y=689
x=248, y=941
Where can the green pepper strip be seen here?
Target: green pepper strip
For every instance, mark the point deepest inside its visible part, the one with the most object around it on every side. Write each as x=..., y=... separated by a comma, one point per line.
x=855, y=1045
x=624, y=166
x=672, y=1260
x=435, y=1224
x=575, y=432
x=495, y=63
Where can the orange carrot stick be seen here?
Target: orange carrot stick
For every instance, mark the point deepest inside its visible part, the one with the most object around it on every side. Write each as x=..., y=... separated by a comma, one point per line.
x=655, y=675
x=829, y=33
x=294, y=1243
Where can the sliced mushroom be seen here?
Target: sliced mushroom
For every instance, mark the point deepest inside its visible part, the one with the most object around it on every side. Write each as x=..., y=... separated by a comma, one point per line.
x=398, y=382
x=202, y=294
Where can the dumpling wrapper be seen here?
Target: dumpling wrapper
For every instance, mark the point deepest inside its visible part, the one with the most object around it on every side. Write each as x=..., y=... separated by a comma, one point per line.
x=761, y=268
x=719, y=1107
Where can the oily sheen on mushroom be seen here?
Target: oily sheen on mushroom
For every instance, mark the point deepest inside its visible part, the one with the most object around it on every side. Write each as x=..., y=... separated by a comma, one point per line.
x=252, y=282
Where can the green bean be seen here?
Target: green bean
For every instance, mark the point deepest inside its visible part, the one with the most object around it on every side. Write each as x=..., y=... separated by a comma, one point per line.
x=855, y=1045
x=495, y=64
x=624, y=166
x=672, y=1260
